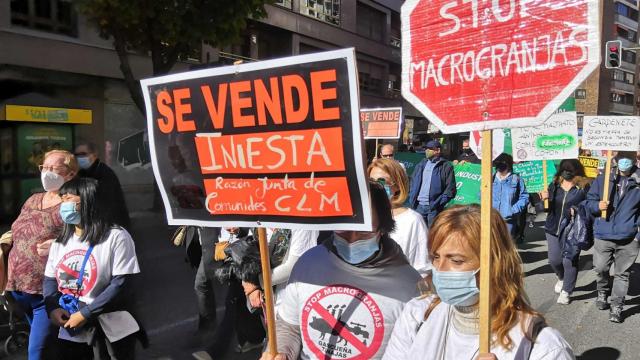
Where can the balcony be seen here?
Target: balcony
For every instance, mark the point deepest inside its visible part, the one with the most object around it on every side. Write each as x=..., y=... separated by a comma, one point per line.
x=395, y=42
x=622, y=86
x=626, y=43
x=630, y=23
x=621, y=108
x=628, y=66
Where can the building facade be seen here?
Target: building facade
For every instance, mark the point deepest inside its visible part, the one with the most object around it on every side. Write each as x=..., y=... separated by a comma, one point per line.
x=615, y=91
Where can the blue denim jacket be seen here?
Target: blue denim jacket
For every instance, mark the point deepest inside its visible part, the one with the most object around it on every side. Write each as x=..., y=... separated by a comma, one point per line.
x=510, y=196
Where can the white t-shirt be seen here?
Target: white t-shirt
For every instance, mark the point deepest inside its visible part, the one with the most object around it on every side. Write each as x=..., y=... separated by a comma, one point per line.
x=411, y=336
x=116, y=255
x=411, y=234
x=324, y=290
x=301, y=241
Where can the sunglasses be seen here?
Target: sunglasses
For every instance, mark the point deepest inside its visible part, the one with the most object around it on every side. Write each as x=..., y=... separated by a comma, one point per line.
x=381, y=181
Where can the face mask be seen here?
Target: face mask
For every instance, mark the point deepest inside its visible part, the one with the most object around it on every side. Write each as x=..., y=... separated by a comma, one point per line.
x=456, y=287
x=358, y=251
x=466, y=151
x=51, y=181
x=567, y=174
x=83, y=162
x=387, y=189
x=625, y=164
x=501, y=166
x=69, y=214
x=430, y=153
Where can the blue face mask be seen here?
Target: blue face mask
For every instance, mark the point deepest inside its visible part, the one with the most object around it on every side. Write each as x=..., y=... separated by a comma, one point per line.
x=358, y=251
x=625, y=164
x=69, y=214
x=387, y=189
x=456, y=287
x=83, y=162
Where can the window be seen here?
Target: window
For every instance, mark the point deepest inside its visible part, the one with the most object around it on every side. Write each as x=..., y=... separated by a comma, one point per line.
x=394, y=36
x=622, y=76
x=370, y=76
x=370, y=22
x=629, y=56
x=626, y=33
x=580, y=94
x=283, y=3
x=621, y=98
x=56, y=16
x=325, y=10
x=624, y=10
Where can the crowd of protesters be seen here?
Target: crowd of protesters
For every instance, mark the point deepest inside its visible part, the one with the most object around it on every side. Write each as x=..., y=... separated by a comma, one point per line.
x=408, y=286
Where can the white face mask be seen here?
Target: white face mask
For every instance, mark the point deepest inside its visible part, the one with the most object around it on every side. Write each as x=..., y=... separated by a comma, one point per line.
x=51, y=181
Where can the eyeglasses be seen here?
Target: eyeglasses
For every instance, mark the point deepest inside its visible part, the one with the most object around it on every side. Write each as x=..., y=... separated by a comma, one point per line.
x=386, y=156
x=43, y=168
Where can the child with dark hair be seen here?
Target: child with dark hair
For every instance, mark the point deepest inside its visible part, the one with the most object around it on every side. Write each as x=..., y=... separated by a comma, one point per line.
x=88, y=274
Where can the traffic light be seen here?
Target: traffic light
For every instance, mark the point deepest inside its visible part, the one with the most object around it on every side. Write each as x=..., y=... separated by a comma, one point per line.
x=614, y=54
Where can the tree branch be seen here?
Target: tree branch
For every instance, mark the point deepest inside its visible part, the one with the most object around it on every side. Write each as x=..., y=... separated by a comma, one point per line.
x=132, y=84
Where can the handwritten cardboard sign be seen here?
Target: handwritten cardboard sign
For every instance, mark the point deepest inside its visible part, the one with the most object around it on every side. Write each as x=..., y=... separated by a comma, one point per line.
x=273, y=144
x=556, y=138
x=383, y=123
x=621, y=133
x=532, y=174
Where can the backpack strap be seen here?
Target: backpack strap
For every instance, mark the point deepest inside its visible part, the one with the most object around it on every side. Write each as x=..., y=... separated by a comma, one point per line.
x=536, y=325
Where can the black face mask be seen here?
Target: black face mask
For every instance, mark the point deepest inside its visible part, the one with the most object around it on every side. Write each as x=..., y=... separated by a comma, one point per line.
x=466, y=151
x=567, y=174
x=501, y=166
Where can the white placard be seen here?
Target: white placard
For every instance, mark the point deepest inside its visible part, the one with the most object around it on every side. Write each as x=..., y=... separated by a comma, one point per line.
x=620, y=133
x=557, y=138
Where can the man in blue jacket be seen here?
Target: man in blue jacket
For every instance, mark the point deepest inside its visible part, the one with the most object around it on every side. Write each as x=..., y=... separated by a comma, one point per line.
x=433, y=183
x=616, y=236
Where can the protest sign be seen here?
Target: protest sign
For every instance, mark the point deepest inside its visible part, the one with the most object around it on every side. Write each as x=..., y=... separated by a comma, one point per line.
x=409, y=160
x=532, y=174
x=274, y=143
x=467, y=184
x=621, y=133
x=501, y=142
x=383, y=123
x=556, y=138
x=591, y=166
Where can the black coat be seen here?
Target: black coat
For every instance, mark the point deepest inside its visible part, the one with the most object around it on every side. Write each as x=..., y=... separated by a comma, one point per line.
x=109, y=181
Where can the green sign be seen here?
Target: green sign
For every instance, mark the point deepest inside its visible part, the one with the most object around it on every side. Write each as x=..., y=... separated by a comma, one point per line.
x=531, y=172
x=34, y=140
x=409, y=160
x=467, y=184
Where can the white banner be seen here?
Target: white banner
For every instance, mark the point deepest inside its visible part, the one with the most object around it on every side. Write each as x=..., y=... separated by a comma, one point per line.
x=557, y=138
x=620, y=133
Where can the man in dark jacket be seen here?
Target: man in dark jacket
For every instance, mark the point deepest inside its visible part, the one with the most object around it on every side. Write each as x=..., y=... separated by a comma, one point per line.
x=433, y=184
x=91, y=166
x=616, y=236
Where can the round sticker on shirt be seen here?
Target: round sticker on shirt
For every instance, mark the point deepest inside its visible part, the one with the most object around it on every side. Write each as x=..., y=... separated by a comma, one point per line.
x=68, y=269
x=342, y=322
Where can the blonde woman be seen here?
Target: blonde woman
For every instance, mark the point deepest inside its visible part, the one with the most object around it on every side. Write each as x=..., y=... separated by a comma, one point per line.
x=37, y=225
x=444, y=323
x=411, y=231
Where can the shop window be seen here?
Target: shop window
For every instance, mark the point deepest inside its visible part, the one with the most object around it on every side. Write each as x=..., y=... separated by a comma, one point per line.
x=57, y=16
x=370, y=22
x=324, y=10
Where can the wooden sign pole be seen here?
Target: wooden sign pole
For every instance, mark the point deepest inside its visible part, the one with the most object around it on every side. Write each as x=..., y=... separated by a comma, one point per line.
x=544, y=179
x=607, y=178
x=486, y=188
x=272, y=348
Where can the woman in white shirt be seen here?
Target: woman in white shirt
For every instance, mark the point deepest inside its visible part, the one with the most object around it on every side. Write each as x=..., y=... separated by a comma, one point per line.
x=411, y=231
x=444, y=323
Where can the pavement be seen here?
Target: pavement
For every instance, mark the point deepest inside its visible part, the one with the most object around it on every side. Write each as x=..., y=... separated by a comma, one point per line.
x=167, y=307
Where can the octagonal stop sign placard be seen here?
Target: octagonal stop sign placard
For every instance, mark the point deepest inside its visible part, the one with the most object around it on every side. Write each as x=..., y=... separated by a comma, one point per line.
x=489, y=64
